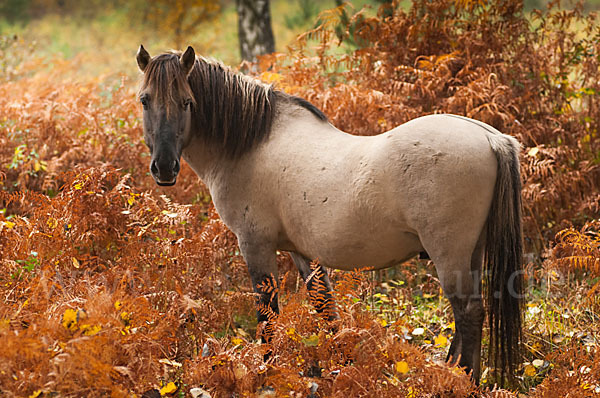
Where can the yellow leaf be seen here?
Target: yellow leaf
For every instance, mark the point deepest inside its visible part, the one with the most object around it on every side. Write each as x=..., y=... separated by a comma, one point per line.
x=533, y=151
x=52, y=223
x=401, y=367
x=75, y=262
x=440, y=341
x=311, y=341
x=36, y=166
x=131, y=200
x=237, y=341
x=585, y=386
x=69, y=320
x=530, y=370
x=36, y=394
x=168, y=389
x=90, y=330
x=382, y=322
x=9, y=224
x=78, y=185
x=118, y=305
x=125, y=317
x=270, y=77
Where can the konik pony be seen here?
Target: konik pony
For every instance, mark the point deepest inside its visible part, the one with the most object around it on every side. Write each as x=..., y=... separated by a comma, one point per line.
x=283, y=178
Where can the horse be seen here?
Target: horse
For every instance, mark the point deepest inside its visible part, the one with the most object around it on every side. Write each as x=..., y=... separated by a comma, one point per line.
x=283, y=178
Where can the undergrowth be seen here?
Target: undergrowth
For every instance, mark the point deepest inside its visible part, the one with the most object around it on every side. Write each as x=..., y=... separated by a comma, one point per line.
x=113, y=286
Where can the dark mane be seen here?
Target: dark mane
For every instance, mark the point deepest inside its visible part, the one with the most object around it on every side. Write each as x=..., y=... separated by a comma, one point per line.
x=230, y=110
x=235, y=111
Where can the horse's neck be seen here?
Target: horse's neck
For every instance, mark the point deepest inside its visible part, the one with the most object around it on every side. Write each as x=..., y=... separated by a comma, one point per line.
x=206, y=161
x=295, y=134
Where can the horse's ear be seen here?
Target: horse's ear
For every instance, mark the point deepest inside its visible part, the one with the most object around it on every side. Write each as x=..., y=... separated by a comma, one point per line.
x=143, y=58
x=187, y=60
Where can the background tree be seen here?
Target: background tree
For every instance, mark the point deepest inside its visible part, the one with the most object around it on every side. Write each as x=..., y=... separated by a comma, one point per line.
x=181, y=17
x=254, y=28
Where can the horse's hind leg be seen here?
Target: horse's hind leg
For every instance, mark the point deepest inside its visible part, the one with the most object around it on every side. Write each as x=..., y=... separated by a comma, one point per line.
x=318, y=285
x=463, y=289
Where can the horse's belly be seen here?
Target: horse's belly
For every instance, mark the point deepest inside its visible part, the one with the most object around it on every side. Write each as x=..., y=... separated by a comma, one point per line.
x=363, y=250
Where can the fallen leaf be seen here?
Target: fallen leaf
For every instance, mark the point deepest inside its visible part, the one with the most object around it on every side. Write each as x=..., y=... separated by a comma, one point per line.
x=440, y=341
x=418, y=331
x=530, y=370
x=533, y=151
x=168, y=389
x=69, y=320
x=401, y=367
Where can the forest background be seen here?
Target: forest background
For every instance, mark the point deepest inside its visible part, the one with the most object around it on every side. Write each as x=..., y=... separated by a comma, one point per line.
x=113, y=286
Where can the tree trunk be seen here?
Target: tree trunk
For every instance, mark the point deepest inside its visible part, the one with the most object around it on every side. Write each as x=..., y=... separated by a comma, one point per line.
x=254, y=28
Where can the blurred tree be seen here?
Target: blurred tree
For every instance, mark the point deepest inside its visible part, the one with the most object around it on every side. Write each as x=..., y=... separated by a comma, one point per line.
x=180, y=18
x=14, y=10
x=308, y=10
x=254, y=28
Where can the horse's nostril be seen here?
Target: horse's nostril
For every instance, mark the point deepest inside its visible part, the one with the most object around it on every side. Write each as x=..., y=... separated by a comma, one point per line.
x=176, y=166
x=153, y=168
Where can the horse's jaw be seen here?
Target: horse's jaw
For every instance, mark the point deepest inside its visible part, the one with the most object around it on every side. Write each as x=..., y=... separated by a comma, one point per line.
x=204, y=160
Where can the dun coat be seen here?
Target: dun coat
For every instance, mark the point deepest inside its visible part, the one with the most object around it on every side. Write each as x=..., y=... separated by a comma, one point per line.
x=283, y=178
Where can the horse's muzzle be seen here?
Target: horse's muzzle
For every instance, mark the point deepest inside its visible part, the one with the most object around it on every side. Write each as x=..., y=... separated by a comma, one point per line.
x=165, y=175
x=166, y=184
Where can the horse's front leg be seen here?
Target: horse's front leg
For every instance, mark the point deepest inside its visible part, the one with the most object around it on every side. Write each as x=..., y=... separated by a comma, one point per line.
x=262, y=265
x=318, y=285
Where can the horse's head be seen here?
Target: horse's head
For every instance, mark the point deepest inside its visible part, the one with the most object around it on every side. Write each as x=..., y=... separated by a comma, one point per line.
x=167, y=100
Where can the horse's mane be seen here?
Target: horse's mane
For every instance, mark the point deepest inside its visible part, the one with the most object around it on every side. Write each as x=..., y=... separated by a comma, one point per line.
x=231, y=110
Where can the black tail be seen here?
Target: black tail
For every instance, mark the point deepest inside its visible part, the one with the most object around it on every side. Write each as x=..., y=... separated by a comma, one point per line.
x=503, y=269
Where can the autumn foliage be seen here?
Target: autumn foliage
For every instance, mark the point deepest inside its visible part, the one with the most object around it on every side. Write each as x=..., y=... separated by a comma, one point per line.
x=113, y=286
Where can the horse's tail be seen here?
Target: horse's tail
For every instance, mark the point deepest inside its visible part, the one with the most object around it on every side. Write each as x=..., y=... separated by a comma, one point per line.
x=503, y=265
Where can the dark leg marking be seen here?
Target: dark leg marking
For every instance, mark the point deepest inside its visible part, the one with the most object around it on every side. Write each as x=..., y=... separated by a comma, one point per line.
x=318, y=285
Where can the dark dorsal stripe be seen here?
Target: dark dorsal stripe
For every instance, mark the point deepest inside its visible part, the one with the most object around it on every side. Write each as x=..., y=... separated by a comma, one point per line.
x=305, y=104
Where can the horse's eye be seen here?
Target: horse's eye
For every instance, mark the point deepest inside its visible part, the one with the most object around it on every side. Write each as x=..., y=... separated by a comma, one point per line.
x=187, y=103
x=144, y=102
